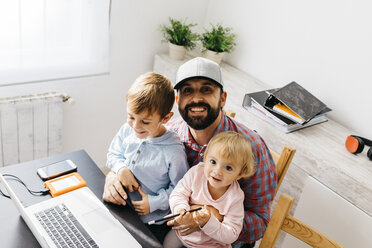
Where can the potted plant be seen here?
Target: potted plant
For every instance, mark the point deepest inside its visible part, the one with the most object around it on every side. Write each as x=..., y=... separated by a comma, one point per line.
x=217, y=42
x=179, y=37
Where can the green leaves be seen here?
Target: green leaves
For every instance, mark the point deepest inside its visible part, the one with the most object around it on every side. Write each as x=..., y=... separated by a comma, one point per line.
x=179, y=33
x=219, y=39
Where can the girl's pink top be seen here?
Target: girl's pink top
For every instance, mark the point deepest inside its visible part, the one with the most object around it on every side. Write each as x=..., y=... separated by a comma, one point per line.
x=193, y=189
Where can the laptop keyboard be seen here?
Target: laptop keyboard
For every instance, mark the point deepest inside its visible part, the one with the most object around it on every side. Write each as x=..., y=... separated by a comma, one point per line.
x=63, y=228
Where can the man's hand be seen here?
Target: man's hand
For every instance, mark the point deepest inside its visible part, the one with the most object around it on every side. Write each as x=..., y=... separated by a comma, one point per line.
x=113, y=190
x=142, y=207
x=127, y=179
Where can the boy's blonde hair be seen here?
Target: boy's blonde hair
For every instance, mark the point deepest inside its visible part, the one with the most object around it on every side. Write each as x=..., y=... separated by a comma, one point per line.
x=151, y=92
x=234, y=146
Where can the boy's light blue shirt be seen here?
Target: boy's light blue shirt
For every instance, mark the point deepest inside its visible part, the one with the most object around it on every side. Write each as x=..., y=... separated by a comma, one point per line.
x=157, y=163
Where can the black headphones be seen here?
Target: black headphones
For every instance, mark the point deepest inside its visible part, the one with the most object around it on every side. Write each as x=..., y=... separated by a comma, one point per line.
x=355, y=144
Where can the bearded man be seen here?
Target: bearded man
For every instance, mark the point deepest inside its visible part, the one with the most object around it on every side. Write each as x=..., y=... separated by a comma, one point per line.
x=200, y=99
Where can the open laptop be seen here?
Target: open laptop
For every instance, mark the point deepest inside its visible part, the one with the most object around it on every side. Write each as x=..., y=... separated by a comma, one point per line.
x=74, y=219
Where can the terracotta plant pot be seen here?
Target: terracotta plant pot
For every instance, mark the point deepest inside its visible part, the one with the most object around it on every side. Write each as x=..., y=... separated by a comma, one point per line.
x=176, y=52
x=216, y=57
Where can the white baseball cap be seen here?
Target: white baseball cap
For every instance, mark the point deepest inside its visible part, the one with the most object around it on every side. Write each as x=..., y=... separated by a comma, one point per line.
x=199, y=68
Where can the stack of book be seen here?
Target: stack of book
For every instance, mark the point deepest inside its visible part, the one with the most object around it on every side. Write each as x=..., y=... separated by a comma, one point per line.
x=288, y=108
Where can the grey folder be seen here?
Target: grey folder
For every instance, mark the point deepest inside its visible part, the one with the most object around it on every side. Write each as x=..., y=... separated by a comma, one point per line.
x=298, y=99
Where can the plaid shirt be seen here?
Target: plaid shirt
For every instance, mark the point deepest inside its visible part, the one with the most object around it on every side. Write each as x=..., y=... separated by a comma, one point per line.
x=259, y=189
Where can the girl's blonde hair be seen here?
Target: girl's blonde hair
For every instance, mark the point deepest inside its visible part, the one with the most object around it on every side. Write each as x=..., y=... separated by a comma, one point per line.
x=151, y=92
x=234, y=146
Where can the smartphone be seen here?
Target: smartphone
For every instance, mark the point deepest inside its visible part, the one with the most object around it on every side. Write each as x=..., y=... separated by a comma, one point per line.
x=56, y=169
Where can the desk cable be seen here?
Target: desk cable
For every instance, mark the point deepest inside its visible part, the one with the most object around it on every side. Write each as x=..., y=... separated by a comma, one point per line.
x=32, y=192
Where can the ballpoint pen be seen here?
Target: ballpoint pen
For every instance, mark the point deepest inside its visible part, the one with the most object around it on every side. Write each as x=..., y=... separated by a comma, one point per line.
x=172, y=216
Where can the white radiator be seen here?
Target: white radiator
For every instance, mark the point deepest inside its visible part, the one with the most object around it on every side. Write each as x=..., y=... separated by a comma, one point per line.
x=30, y=127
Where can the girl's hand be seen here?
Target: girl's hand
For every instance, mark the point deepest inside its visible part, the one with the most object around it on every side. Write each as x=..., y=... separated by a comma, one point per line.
x=142, y=207
x=212, y=210
x=184, y=222
x=202, y=216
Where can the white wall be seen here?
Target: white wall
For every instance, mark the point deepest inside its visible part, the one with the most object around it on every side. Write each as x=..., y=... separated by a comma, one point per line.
x=100, y=101
x=323, y=45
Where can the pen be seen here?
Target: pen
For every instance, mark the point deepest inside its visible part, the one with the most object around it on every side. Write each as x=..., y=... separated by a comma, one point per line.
x=172, y=216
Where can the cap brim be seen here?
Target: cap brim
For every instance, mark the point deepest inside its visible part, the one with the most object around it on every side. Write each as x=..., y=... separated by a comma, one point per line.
x=178, y=85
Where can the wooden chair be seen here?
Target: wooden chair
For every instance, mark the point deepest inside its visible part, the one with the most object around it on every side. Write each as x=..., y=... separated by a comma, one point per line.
x=282, y=220
x=282, y=162
x=230, y=113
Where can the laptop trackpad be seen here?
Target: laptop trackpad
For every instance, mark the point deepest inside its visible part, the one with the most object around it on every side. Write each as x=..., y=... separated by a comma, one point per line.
x=106, y=230
x=98, y=220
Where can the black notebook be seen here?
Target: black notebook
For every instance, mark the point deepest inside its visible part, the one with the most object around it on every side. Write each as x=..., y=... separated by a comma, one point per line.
x=296, y=103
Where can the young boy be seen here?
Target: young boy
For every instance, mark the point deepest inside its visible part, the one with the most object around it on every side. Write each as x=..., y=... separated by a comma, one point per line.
x=144, y=154
x=213, y=182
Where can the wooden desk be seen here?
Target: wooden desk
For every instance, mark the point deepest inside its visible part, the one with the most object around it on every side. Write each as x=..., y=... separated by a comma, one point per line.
x=15, y=233
x=320, y=148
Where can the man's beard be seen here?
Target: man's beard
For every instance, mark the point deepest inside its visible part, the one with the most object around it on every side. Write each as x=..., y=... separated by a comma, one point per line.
x=199, y=122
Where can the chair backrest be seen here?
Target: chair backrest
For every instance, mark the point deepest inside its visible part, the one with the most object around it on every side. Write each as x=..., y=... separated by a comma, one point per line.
x=282, y=162
x=282, y=220
x=230, y=113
